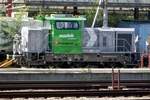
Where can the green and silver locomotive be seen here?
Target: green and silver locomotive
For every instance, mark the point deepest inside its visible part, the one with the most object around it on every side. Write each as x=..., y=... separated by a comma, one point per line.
x=66, y=41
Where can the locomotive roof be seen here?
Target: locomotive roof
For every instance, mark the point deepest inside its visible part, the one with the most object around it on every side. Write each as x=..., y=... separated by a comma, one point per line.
x=66, y=17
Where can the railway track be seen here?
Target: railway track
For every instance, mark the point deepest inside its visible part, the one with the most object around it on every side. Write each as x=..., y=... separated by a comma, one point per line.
x=72, y=93
x=69, y=85
x=13, y=89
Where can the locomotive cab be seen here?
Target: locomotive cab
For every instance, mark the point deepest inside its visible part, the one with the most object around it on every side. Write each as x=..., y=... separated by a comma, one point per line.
x=66, y=33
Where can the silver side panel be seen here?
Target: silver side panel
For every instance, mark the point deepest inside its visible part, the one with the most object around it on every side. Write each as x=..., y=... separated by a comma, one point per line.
x=97, y=40
x=34, y=40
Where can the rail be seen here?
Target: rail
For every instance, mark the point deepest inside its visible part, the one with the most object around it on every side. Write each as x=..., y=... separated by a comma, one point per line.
x=72, y=93
x=70, y=88
x=61, y=88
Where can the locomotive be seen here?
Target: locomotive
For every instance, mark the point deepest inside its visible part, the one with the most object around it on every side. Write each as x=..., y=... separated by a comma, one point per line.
x=66, y=41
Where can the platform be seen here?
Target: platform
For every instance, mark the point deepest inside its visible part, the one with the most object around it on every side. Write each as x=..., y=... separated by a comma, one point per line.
x=24, y=74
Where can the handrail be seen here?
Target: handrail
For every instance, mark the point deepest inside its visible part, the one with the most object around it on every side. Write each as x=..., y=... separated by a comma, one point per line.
x=125, y=42
x=125, y=46
x=98, y=48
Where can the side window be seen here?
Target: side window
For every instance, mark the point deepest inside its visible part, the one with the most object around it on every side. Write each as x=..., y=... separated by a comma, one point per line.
x=104, y=41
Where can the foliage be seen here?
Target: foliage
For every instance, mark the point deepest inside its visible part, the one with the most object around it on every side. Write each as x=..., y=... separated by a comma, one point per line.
x=1, y=13
x=113, y=17
x=10, y=27
x=90, y=13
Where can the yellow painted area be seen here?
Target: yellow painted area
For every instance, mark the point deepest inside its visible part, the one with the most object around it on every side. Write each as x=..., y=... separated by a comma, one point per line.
x=6, y=63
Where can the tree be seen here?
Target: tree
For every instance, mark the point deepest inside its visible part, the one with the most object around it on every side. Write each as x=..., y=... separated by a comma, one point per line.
x=113, y=17
x=10, y=27
x=90, y=14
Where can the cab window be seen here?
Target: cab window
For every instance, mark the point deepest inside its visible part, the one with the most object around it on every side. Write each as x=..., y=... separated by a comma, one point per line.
x=67, y=25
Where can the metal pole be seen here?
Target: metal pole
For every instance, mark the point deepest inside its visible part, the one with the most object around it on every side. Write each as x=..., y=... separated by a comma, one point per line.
x=113, y=74
x=9, y=8
x=118, y=79
x=65, y=10
x=142, y=63
x=148, y=60
x=148, y=15
x=75, y=10
x=96, y=14
x=105, y=15
x=136, y=13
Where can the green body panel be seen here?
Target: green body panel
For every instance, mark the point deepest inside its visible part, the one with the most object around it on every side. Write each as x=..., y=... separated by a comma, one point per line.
x=66, y=41
x=50, y=41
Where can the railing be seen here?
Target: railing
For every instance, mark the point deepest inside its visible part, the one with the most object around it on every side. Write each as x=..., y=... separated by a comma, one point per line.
x=62, y=2
x=111, y=3
x=126, y=46
x=129, y=1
